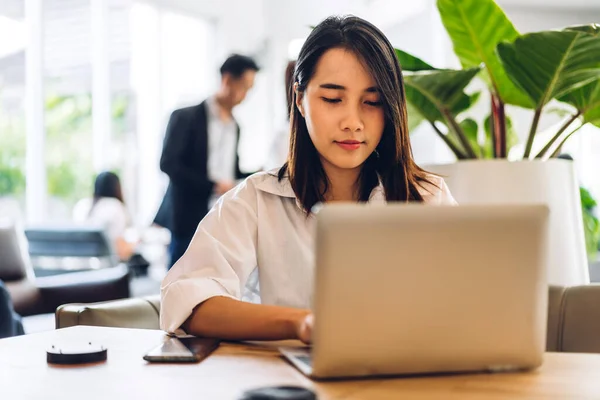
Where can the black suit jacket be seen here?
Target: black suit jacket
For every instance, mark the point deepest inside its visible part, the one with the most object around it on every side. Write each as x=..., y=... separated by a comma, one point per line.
x=184, y=159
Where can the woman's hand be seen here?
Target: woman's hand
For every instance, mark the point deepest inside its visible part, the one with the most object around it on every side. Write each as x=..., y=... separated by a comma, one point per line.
x=304, y=328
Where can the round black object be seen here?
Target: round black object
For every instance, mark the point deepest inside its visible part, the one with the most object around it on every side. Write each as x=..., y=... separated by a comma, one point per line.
x=76, y=354
x=280, y=393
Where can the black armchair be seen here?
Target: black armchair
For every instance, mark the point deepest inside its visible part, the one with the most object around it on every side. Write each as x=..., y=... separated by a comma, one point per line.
x=37, y=295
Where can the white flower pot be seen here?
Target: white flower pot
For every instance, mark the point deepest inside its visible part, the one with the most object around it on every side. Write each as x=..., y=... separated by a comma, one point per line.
x=551, y=182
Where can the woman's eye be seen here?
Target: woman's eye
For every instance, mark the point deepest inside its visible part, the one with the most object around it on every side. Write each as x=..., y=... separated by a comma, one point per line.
x=328, y=100
x=373, y=103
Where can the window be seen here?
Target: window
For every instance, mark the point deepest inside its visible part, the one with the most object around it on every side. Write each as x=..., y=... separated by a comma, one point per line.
x=12, y=111
x=172, y=66
x=68, y=105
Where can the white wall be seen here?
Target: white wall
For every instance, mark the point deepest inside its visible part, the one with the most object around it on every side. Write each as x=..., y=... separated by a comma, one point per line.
x=528, y=19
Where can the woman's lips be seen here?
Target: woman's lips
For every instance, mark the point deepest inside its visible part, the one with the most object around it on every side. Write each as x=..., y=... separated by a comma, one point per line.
x=349, y=144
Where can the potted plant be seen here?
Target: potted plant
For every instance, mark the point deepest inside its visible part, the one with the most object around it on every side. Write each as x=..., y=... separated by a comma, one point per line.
x=591, y=225
x=528, y=71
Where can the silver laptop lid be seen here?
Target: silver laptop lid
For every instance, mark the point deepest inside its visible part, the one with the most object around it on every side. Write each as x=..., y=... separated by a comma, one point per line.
x=416, y=288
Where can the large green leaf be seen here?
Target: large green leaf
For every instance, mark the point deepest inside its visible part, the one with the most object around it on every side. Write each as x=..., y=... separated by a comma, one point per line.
x=587, y=98
x=438, y=96
x=476, y=27
x=593, y=116
x=591, y=233
x=464, y=103
x=408, y=62
x=414, y=117
x=592, y=29
x=432, y=93
x=587, y=101
x=470, y=128
x=511, y=136
x=591, y=225
x=587, y=200
x=552, y=64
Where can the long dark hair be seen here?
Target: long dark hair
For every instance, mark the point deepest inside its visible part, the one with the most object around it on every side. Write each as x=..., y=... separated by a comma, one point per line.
x=289, y=85
x=392, y=163
x=107, y=184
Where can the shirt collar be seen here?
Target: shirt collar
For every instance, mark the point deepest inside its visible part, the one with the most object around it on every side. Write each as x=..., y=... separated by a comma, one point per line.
x=214, y=110
x=272, y=184
x=212, y=106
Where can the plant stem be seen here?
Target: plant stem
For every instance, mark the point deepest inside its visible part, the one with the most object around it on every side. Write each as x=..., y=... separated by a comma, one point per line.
x=532, y=131
x=501, y=121
x=459, y=154
x=557, y=151
x=557, y=136
x=493, y=128
x=461, y=135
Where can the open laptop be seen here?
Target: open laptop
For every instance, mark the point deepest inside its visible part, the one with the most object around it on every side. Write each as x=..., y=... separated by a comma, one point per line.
x=412, y=289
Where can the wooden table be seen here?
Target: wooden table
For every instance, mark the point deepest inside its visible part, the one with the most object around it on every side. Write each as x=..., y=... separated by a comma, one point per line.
x=233, y=368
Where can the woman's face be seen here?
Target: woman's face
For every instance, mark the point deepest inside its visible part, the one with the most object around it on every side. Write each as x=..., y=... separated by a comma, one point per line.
x=343, y=110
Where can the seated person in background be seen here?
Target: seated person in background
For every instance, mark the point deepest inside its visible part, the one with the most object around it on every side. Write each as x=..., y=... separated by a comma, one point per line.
x=10, y=321
x=349, y=143
x=107, y=210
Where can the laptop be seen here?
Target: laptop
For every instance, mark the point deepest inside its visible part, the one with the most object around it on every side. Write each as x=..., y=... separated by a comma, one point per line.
x=418, y=289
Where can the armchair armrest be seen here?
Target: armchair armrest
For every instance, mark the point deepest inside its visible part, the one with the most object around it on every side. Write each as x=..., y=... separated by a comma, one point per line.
x=83, y=287
x=141, y=313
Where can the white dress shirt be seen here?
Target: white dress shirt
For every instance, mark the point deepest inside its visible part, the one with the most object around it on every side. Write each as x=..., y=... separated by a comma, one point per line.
x=255, y=244
x=222, y=146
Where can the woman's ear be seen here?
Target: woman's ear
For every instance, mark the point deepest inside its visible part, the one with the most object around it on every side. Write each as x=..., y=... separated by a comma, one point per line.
x=299, y=96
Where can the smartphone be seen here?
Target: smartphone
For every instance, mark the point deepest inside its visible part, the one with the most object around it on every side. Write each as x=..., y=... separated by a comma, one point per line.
x=182, y=349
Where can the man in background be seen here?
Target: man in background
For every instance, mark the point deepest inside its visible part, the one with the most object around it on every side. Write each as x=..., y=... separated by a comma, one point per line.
x=200, y=154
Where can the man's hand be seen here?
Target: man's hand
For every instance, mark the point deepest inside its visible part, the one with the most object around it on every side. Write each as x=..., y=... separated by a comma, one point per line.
x=222, y=187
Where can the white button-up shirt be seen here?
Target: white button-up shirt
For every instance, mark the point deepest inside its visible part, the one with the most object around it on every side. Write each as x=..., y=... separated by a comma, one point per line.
x=255, y=244
x=222, y=146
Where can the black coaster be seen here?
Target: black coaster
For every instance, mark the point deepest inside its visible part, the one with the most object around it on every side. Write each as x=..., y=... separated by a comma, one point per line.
x=76, y=354
x=280, y=393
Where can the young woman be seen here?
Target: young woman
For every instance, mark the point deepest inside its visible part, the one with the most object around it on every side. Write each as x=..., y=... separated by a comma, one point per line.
x=107, y=210
x=349, y=142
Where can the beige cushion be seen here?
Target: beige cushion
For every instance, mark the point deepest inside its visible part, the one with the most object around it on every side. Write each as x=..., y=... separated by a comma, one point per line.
x=139, y=313
x=579, y=329
x=555, y=298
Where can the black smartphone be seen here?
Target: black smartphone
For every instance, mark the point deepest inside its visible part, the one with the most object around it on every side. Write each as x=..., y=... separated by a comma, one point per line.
x=183, y=349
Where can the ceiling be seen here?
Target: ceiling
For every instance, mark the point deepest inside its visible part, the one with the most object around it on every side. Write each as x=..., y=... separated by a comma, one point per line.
x=215, y=8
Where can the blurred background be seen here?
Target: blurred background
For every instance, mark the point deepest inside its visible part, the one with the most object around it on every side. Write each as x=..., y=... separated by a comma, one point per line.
x=88, y=85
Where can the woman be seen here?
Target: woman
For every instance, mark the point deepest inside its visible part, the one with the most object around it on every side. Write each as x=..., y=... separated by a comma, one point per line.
x=107, y=210
x=349, y=142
